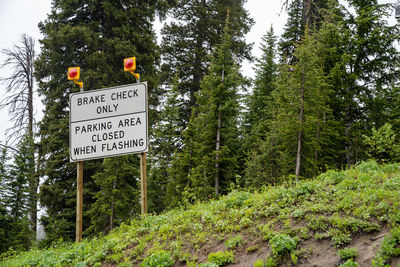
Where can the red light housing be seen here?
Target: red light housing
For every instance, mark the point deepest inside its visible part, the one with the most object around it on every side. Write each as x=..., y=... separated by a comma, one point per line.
x=73, y=73
x=130, y=64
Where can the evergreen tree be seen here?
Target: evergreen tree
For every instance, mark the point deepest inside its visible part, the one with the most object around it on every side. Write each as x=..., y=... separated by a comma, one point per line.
x=3, y=172
x=215, y=123
x=258, y=115
x=302, y=14
x=163, y=188
x=5, y=219
x=5, y=227
x=363, y=64
x=96, y=36
x=261, y=165
x=17, y=194
x=302, y=111
x=21, y=171
x=183, y=162
x=191, y=37
x=292, y=32
x=187, y=44
x=117, y=199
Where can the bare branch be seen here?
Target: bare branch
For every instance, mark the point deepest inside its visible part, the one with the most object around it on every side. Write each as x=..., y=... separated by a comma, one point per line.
x=19, y=86
x=8, y=147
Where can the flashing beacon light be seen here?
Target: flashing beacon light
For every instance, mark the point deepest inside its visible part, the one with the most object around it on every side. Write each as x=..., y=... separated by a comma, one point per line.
x=130, y=64
x=74, y=73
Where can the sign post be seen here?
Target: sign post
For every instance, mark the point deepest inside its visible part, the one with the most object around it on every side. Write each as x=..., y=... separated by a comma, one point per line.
x=74, y=75
x=79, y=202
x=109, y=122
x=130, y=66
x=143, y=183
x=105, y=123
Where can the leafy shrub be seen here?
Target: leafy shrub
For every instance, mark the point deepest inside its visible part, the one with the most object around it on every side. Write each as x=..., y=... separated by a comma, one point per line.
x=245, y=222
x=294, y=258
x=236, y=199
x=270, y=262
x=339, y=238
x=318, y=224
x=233, y=242
x=349, y=263
x=348, y=253
x=382, y=144
x=282, y=243
x=298, y=213
x=221, y=257
x=388, y=249
x=268, y=233
x=259, y=263
x=159, y=258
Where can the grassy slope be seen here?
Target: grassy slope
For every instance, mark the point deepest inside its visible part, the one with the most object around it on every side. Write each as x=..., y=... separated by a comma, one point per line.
x=278, y=226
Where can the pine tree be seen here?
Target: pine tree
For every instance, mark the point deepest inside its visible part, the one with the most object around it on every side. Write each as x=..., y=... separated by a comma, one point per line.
x=17, y=194
x=188, y=42
x=362, y=62
x=293, y=31
x=21, y=172
x=261, y=164
x=191, y=37
x=117, y=201
x=182, y=188
x=3, y=172
x=5, y=219
x=302, y=14
x=96, y=36
x=302, y=110
x=163, y=188
x=258, y=115
x=216, y=134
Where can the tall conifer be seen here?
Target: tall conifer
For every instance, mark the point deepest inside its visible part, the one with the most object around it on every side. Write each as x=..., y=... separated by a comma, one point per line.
x=215, y=120
x=302, y=109
x=362, y=61
x=192, y=36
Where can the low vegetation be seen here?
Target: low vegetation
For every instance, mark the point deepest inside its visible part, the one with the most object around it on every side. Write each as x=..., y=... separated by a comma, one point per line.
x=279, y=222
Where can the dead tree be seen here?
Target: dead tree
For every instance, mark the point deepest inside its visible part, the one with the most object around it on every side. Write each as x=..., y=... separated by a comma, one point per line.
x=18, y=86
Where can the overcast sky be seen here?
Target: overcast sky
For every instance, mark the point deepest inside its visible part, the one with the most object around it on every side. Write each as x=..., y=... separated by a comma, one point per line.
x=22, y=16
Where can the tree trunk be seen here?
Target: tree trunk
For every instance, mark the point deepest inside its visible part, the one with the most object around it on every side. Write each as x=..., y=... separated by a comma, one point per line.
x=199, y=57
x=349, y=140
x=300, y=136
x=112, y=212
x=217, y=150
x=316, y=152
x=218, y=142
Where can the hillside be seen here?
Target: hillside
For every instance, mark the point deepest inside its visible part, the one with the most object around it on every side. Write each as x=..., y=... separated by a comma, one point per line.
x=341, y=218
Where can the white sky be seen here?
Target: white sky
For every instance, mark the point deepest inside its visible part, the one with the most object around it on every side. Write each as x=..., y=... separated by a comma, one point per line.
x=23, y=16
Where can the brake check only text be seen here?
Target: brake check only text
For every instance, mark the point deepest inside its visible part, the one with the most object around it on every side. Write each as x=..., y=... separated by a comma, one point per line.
x=108, y=122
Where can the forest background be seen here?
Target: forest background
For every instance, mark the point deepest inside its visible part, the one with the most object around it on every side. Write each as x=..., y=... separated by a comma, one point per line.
x=324, y=96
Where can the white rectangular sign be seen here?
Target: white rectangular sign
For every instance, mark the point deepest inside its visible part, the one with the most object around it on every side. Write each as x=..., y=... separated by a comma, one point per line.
x=108, y=122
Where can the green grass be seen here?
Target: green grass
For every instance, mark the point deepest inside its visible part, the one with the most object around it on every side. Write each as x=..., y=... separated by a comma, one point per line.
x=335, y=206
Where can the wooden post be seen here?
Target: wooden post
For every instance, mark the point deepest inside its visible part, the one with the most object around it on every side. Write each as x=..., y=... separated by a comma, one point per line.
x=79, y=201
x=143, y=181
x=129, y=67
x=79, y=191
